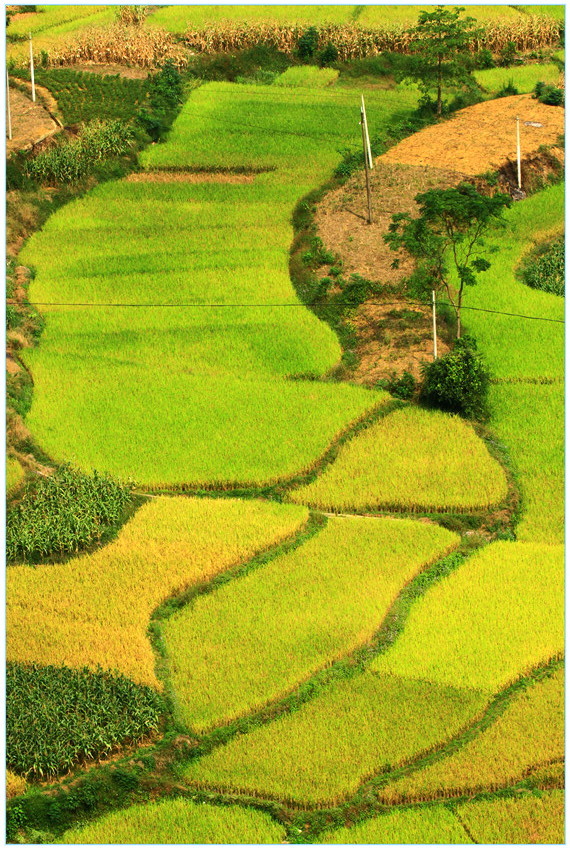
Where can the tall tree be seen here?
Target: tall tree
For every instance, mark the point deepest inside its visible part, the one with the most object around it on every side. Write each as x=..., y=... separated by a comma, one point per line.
x=440, y=45
x=446, y=237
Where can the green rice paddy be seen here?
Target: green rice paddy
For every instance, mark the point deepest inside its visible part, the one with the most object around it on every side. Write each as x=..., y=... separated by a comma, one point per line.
x=504, y=605
x=213, y=381
x=433, y=825
x=254, y=639
x=412, y=459
x=523, y=78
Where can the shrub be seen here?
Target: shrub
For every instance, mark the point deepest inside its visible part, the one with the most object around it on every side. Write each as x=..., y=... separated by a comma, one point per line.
x=508, y=89
x=73, y=159
x=551, y=95
x=62, y=513
x=545, y=268
x=403, y=386
x=507, y=54
x=308, y=43
x=458, y=382
x=484, y=59
x=327, y=55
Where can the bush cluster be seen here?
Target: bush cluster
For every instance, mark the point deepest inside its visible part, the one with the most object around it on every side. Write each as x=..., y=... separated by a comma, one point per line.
x=73, y=159
x=58, y=717
x=545, y=268
x=63, y=513
x=458, y=382
x=551, y=95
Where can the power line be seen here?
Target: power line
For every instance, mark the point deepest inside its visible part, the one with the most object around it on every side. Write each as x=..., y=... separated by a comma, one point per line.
x=269, y=306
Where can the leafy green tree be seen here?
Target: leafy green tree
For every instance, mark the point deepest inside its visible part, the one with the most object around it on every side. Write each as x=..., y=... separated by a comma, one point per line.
x=446, y=237
x=439, y=51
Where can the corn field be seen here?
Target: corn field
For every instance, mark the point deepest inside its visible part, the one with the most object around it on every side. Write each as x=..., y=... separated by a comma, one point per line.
x=353, y=42
x=58, y=717
x=122, y=44
x=63, y=513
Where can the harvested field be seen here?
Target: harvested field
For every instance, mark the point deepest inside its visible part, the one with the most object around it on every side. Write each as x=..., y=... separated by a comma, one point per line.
x=481, y=137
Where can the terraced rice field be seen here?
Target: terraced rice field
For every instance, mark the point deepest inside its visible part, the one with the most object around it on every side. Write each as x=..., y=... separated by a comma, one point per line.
x=412, y=459
x=169, y=545
x=321, y=753
x=530, y=732
x=216, y=244
x=256, y=638
x=203, y=395
x=180, y=821
x=523, y=79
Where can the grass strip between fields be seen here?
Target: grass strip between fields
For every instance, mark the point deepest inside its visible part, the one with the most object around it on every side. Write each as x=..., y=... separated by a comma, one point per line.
x=253, y=640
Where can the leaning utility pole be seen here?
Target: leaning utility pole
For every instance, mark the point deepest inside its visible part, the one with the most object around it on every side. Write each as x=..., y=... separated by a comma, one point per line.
x=519, y=153
x=32, y=70
x=368, y=163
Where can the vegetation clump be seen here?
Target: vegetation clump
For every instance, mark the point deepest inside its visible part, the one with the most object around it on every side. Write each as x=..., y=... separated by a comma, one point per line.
x=549, y=94
x=58, y=717
x=63, y=513
x=544, y=269
x=458, y=382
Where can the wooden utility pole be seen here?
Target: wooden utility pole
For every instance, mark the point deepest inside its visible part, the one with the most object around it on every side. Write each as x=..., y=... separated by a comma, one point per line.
x=32, y=70
x=434, y=324
x=368, y=164
x=9, y=114
x=519, y=153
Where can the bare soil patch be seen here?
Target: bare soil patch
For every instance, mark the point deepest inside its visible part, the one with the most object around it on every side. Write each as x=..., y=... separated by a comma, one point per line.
x=341, y=217
x=394, y=337
x=188, y=177
x=31, y=122
x=482, y=137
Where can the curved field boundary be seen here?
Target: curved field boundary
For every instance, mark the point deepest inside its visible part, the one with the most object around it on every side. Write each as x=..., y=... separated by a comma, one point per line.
x=279, y=486
x=350, y=665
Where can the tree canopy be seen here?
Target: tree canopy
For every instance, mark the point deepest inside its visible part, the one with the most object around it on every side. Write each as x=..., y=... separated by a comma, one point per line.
x=446, y=238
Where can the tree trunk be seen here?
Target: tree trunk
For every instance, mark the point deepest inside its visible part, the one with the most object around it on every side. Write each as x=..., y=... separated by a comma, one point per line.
x=458, y=311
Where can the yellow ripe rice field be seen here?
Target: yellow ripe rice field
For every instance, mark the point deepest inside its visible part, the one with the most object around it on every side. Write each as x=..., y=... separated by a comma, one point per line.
x=252, y=640
x=179, y=821
x=529, y=819
x=95, y=609
x=529, y=732
x=497, y=616
x=320, y=753
x=428, y=825
x=412, y=459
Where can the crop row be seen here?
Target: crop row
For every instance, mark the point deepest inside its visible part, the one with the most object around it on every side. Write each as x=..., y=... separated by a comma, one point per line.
x=57, y=717
x=62, y=513
x=413, y=459
x=256, y=638
x=167, y=546
x=355, y=42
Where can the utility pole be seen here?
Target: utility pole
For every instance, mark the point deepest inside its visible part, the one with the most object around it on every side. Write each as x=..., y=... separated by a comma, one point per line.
x=519, y=153
x=8, y=105
x=368, y=163
x=434, y=324
x=32, y=70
